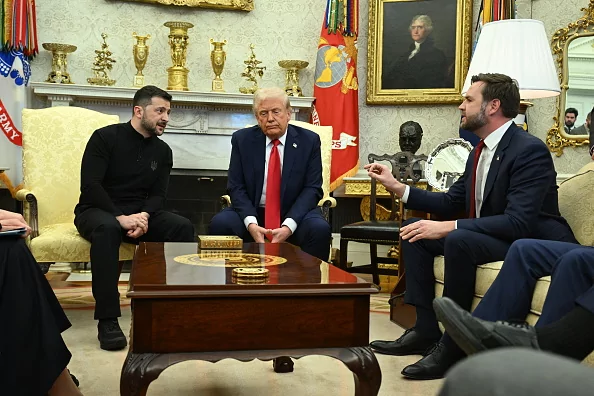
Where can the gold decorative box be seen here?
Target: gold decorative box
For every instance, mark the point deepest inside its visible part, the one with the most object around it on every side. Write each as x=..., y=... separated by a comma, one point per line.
x=219, y=242
x=247, y=276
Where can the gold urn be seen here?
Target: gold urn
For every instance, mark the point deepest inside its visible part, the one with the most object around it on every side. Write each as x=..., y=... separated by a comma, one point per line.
x=141, y=53
x=59, y=73
x=217, y=60
x=177, y=75
x=292, y=87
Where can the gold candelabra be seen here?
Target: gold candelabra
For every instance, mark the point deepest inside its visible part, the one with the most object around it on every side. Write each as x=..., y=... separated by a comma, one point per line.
x=251, y=72
x=59, y=73
x=140, y=52
x=217, y=60
x=177, y=75
x=102, y=64
x=292, y=87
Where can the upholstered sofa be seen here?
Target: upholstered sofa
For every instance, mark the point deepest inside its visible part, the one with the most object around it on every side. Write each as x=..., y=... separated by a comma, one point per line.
x=577, y=206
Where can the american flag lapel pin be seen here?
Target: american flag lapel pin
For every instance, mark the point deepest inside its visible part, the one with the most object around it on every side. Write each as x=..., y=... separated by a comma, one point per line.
x=497, y=159
x=295, y=145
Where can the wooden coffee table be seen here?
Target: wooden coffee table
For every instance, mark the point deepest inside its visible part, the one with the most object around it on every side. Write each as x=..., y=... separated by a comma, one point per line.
x=186, y=306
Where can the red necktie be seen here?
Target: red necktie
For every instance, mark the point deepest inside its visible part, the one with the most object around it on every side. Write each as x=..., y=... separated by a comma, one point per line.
x=273, y=187
x=477, y=154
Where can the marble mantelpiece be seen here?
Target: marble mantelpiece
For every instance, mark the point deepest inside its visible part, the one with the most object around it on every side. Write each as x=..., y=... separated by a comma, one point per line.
x=200, y=125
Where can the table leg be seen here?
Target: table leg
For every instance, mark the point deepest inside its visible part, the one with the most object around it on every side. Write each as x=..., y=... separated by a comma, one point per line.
x=366, y=370
x=138, y=372
x=282, y=364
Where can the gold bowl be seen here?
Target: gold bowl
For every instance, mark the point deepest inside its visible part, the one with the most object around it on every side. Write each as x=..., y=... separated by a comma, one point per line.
x=58, y=47
x=293, y=64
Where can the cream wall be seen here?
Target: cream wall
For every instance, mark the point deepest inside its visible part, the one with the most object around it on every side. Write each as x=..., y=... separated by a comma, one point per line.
x=280, y=29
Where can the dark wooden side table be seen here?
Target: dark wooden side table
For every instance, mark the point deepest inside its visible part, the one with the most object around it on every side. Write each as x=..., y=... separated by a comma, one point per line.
x=187, y=306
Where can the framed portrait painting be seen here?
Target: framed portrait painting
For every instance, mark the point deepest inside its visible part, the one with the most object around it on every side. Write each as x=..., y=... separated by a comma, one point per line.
x=419, y=50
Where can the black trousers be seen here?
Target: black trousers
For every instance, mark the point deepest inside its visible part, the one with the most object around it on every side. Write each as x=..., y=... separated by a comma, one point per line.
x=313, y=234
x=32, y=351
x=105, y=234
x=463, y=250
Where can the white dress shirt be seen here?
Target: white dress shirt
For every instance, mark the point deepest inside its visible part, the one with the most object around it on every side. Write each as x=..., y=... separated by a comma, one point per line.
x=281, y=152
x=482, y=169
x=415, y=51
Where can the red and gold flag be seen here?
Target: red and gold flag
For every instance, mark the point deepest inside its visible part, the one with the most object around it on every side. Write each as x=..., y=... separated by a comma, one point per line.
x=336, y=86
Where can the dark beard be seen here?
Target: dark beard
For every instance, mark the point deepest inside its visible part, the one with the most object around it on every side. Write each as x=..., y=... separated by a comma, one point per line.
x=152, y=129
x=476, y=121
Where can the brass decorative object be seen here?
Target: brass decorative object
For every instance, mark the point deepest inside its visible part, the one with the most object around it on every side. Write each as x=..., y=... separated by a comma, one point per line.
x=219, y=242
x=557, y=139
x=102, y=64
x=177, y=75
x=292, y=87
x=59, y=73
x=141, y=53
x=243, y=5
x=251, y=72
x=217, y=60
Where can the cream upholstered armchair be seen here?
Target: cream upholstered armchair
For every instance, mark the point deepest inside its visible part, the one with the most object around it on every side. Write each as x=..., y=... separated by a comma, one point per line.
x=54, y=140
x=577, y=207
x=325, y=133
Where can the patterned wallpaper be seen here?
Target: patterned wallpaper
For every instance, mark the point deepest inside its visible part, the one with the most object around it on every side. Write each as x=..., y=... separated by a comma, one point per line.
x=280, y=29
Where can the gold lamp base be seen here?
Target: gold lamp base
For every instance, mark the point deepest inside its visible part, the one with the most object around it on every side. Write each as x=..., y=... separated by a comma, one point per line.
x=520, y=119
x=177, y=78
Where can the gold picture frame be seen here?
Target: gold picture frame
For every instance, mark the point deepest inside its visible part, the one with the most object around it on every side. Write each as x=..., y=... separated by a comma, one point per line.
x=242, y=5
x=394, y=76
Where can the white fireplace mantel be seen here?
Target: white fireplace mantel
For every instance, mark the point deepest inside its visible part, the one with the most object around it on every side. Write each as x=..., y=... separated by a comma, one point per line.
x=200, y=126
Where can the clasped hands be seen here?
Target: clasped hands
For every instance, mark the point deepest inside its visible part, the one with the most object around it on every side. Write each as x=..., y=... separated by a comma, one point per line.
x=13, y=221
x=276, y=235
x=423, y=229
x=136, y=224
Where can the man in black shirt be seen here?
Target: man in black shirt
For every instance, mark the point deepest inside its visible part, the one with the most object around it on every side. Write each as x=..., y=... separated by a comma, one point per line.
x=124, y=177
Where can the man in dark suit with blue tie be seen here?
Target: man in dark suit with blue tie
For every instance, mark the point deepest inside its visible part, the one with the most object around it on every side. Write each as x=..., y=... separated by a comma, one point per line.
x=508, y=192
x=275, y=181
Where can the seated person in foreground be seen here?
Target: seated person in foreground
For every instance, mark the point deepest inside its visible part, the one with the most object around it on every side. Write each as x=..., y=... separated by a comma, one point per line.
x=508, y=192
x=124, y=178
x=566, y=324
x=275, y=181
x=33, y=355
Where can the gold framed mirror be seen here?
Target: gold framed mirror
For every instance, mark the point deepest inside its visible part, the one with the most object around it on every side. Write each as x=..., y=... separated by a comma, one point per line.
x=574, y=48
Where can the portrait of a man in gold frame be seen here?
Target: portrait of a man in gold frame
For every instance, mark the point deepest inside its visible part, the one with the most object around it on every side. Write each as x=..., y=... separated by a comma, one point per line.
x=243, y=5
x=418, y=50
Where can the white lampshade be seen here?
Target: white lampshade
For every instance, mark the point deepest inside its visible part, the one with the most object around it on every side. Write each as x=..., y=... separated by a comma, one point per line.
x=520, y=49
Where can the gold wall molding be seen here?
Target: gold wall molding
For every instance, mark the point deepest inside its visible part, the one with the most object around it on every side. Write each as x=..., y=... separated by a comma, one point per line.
x=243, y=5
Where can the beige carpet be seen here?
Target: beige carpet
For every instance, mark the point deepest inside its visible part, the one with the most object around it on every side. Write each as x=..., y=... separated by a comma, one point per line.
x=99, y=371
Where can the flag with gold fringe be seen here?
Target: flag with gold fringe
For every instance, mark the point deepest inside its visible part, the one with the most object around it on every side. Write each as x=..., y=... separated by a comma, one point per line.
x=336, y=86
x=18, y=44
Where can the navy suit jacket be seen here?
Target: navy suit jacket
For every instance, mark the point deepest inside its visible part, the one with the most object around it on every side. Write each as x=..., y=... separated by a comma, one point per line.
x=520, y=198
x=301, y=185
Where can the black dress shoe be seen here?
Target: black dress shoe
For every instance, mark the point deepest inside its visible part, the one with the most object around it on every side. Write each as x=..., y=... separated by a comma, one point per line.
x=410, y=343
x=433, y=365
x=475, y=335
x=110, y=335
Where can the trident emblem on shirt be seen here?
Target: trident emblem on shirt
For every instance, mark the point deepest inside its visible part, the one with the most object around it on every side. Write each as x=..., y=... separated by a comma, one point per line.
x=153, y=165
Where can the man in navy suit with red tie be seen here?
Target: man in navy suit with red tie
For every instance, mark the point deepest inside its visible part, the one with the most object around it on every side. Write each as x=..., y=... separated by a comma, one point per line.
x=508, y=192
x=275, y=181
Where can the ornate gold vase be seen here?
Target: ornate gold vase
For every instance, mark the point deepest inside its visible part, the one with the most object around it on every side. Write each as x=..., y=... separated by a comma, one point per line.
x=141, y=53
x=217, y=60
x=59, y=73
x=292, y=87
x=177, y=75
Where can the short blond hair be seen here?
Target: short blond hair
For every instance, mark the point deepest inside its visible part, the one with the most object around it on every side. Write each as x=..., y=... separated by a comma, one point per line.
x=269, y=93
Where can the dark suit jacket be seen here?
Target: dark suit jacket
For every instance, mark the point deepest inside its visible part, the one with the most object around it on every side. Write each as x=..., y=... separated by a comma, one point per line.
x=301, y=185
x=520, y=197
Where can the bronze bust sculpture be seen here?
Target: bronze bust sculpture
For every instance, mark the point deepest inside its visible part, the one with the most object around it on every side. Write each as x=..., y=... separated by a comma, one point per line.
x=411, y=135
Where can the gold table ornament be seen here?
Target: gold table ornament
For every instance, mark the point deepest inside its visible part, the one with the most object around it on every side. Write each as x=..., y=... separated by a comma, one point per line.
x=59, y=73
x=217, y=60
x=141, y=53
x=251, y=72
x=102, y=64
x=292, y=87
x=177, y=75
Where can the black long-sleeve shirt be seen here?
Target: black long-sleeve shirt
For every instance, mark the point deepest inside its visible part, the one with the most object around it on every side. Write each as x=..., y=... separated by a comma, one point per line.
x=122, y=172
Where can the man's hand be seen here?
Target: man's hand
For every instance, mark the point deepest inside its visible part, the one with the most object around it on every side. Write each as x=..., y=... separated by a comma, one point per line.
x=13, y=221
x=383, y=175
x=427, y=229
x=136, y=224
x=280, y=235
x=257, y=232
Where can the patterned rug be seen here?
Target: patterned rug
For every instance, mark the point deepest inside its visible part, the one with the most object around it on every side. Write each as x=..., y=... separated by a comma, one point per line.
x=79, y=295
x=379, y=303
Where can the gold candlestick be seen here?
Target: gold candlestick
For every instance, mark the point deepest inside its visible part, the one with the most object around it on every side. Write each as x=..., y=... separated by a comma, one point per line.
x=102, y=64
x=59, y=73
x=140, y=52
x=292, y=87
x=251, y=72
x=177, y=75
x=217, y=59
